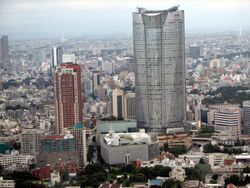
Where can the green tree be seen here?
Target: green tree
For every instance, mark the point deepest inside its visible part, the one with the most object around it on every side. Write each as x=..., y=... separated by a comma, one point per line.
x=148, y=172
x=201, y=161
x=203, y=170
x=65, y=176
x=1, y=169
x=93, y=168
x=178, y=150
x=247, y=179
x=165, y=147
x=170, y=183
x=234, y=179
x=192, y=174
x=209, y=148
x=139, y=177
x=215, y=177
x=164, y=172
x=128, y=169
x=246, y=170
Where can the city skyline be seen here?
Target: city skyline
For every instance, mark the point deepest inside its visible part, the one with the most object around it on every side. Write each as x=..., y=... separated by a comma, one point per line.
x=87, y=17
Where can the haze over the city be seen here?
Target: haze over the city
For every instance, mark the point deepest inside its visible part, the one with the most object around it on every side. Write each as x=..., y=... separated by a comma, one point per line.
x=114, y=16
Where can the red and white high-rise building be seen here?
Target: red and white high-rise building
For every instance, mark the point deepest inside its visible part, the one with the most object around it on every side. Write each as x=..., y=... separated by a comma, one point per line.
x=68, y=98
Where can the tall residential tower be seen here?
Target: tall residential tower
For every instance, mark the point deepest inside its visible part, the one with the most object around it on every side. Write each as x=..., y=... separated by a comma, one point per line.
x=159, y=50
x=68, y=98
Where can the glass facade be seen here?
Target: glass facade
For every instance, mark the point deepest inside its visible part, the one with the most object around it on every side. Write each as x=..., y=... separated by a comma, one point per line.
x=160, y=68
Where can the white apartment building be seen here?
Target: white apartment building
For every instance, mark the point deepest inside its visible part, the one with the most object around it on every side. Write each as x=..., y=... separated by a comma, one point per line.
x=15, y=158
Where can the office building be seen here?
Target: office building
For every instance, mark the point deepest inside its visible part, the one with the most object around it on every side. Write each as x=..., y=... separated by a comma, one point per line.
x=68, y=98
x=56, y=148
x=4, y=54
x=246, y=118
x=30, y=141
x=159, y=50
x=57, y=56
x=96, y=80
x=129, y=104
x=118, y=103
x=79, y=134
x=123, y=104
x=227, y=124
x=4, y=50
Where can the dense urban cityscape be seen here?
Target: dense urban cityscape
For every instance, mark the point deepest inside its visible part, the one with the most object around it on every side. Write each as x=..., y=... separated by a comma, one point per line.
x=158, y=108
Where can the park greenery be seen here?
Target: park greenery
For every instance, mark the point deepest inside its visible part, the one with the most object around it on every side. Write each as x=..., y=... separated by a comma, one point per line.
x=228, y=94
x=170, y=183
x=209, y=148
x=199, y=172
x=206, y=131
x=237, y=180
x=24, y=179
x=176, y=151
x=95, y=174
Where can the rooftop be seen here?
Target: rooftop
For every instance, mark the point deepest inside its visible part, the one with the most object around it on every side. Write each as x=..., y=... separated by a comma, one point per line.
x=79, y=126
x=117, y=139
x=143, y=10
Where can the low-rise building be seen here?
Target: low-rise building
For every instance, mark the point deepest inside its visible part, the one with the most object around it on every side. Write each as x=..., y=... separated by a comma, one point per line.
x=216, y=159
x=123, y=148
x=178, y=173
x=176, y=139
x=55, y=177
x=7, y=183
x=14, y=158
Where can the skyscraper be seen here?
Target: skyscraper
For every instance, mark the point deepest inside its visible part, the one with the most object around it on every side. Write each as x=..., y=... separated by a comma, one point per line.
x=159, y=50
x=68, y=98
x=79, y=134
x=4, y=50
x=246, y=118
x=129, y=105
x=118, y=103
x=57, y=54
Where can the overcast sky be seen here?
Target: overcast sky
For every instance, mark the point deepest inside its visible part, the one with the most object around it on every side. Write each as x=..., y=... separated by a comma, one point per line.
x=115, y=16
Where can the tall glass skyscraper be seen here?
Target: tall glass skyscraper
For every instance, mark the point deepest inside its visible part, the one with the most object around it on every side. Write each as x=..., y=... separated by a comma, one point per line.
x=159, y=49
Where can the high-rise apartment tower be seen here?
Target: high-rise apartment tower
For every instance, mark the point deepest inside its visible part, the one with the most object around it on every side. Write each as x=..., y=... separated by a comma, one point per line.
x=68, y=98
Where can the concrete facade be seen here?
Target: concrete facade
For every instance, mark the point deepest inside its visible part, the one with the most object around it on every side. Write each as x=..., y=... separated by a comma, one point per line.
x=123, y=152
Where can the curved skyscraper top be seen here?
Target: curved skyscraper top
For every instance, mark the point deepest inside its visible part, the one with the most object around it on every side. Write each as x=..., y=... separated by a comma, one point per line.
x=159, y=49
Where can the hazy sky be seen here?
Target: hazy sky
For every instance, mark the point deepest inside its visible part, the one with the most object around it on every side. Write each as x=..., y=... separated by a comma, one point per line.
x=115, y=16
